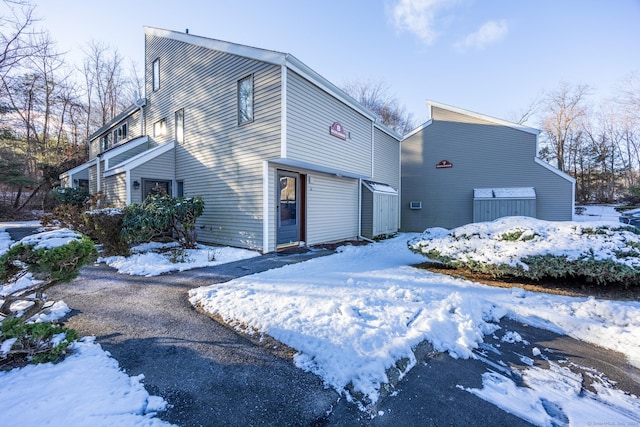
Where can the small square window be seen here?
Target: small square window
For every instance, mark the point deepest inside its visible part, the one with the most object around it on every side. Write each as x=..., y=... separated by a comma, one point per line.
x=245, y=100
x=156, y=75
x=160, y=128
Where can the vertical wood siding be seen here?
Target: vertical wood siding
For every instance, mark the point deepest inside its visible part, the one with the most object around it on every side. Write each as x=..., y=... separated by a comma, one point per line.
x=310, y=113
x=483, y=155
x=366, y=213
x=379, y=213
x=219, y=160
x=488, y=210
x=332, y=208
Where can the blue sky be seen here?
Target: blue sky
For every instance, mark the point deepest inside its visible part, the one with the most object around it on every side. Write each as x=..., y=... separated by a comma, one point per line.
x=489, y=56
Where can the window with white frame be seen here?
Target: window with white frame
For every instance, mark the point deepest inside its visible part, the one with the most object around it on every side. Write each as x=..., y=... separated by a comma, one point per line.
x=160, y=127
x=105, y=142
x=179, y=126
x=120, y=133
x=245, y=100
x=155, y=78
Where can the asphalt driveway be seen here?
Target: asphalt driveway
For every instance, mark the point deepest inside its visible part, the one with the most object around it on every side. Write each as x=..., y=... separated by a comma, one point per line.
x=212, y=376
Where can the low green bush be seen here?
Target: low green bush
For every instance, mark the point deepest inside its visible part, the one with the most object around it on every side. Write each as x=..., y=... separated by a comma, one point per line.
x=539, y=267
x=78, y=197
x=33, y=342
x=163, y=216
x=49, y=266
x=56, y=264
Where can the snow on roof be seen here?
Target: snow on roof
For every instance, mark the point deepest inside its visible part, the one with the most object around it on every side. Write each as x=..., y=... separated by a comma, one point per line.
x=505, y=193
x=379, y=187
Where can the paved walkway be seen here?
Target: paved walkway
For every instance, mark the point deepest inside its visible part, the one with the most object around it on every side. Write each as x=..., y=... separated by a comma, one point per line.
x=212, y=376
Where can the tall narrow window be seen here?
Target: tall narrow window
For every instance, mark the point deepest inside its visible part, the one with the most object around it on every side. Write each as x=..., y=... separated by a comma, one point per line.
x=179, y=188
x=156, y=74
x=245, y=100
x=179, y=126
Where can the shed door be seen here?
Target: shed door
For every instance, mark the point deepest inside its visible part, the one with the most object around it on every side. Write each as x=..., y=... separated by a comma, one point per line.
x=288, y=194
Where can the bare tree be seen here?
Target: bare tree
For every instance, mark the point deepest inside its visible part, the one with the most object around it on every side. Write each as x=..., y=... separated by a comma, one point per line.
x=628, y=101
x=105, y=82
x=629, y=93
x=375, y=97
x=16, y=34
x=522, y=116
x=564, y=109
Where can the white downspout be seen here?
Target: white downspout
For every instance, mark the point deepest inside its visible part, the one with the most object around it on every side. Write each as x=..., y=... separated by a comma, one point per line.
x=373, y=147
x=266, y=203
x=127, y=181
x=98, y=180
x=283, y=111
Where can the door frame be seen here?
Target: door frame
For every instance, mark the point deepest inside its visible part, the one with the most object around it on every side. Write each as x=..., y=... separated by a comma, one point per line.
x=301, y=207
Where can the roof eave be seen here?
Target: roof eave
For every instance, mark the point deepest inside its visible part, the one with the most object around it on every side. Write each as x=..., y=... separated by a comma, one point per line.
x=480, y=116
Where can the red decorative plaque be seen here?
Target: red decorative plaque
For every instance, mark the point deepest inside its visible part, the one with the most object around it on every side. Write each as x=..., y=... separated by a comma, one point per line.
x=338, y=131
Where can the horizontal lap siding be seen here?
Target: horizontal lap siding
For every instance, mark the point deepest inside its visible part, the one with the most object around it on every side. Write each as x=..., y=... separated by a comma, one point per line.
x=115, y=190
x=386, y=169
x=116, y=160
x=219, y=160
x=555, y=197
x=483, y=155
x=310, y=113
x=83, y=174
x=332, y=208
x=133, y=131
x=93, y=179
x=386, y=165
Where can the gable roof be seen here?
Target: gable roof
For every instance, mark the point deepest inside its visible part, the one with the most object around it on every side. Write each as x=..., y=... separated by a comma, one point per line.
x=277, y=58
x=517, y=126
x=118, y=118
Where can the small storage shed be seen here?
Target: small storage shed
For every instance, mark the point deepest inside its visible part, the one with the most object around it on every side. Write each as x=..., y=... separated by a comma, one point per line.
x=494, y=203
x=379, y=211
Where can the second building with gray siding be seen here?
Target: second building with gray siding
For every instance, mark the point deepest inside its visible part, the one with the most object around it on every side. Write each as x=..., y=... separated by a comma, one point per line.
x=458, y=151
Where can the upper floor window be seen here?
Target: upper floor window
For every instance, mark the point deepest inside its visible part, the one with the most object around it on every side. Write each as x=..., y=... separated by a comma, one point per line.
x=245, y=100
x=120, y=133
x=160, y=127
x=156, y=75
x=105, y=142
x=179, y=128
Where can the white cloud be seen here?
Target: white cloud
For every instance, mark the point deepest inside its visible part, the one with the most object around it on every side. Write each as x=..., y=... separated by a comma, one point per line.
x=489, y=32
x=419, y=17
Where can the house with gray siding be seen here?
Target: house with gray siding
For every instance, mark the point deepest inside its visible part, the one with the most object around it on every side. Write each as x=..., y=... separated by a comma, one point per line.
x=462, y=167
x=280, y=155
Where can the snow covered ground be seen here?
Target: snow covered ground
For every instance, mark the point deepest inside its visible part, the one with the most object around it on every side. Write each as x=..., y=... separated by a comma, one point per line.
x=353, y=315
x=146, y=261
x=88, y=388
